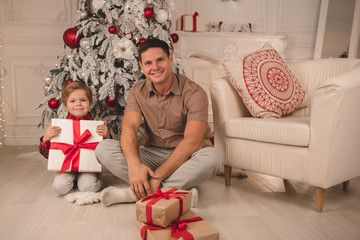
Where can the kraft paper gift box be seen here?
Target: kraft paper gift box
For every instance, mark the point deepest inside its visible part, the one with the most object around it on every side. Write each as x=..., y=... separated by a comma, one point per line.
x=163, y=206
x=188, y=226
x=73, y=150
x=191, y=23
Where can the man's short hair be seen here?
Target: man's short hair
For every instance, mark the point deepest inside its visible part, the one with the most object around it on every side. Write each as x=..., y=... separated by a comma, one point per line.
x=153, y=43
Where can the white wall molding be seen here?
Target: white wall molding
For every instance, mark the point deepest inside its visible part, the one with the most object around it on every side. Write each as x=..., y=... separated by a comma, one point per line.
x=21, y=140
x=286, y=21
x=55, y=41
x=24, y=13
x=260, y=24
x=24, y=88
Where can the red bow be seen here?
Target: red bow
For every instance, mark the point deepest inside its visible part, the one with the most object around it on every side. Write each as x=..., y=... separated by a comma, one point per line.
x=178, y=228
x=72, y=152
x=157, y=195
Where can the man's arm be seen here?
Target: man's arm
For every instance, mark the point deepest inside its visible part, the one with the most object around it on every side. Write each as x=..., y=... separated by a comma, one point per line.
x=138, y=172
x=193, y=138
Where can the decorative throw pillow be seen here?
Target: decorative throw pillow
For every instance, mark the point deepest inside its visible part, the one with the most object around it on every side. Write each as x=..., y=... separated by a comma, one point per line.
x=266, y=85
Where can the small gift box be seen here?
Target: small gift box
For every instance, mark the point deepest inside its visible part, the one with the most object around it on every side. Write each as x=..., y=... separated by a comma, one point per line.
x=163, y=206
x=191, y=23
x=189, y=226
x=73, y=149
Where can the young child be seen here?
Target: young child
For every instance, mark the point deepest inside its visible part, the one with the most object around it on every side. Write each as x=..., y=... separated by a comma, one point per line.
x=77, y=99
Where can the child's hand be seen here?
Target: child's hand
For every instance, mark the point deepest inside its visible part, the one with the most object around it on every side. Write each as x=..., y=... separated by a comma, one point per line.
x=102, y=130
x=50, y=132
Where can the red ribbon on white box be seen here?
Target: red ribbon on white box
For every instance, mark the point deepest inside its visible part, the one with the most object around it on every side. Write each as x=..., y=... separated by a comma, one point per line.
x=72, y=152
x=194, y=21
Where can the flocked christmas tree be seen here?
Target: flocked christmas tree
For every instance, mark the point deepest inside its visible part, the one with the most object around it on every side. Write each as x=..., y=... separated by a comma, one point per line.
x=101, y=51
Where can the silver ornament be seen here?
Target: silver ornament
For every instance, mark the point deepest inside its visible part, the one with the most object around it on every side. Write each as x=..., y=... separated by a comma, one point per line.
x=161, y=16
x=82, y=14
x=82, y=75
x=48, y=80
x=85, y=43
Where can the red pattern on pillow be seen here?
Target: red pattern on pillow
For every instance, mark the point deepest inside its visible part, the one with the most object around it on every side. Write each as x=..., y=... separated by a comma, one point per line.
x=267, y=86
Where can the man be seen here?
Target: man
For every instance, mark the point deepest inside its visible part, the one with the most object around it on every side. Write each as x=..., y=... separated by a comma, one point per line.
x=174, y=110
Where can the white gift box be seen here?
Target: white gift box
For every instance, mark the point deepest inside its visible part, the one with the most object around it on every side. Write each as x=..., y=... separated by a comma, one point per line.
x=84, y=160
x=186, y=24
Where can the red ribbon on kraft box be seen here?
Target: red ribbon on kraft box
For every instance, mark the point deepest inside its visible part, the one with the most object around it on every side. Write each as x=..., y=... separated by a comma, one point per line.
x=72, y=152
x=178, y=228
x=157, y=195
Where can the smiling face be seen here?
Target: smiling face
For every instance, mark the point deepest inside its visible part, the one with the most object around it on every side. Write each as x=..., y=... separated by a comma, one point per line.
x=156, y=66
x=78, y=103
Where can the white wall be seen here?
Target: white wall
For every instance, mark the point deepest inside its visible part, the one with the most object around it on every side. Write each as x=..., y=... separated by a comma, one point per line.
x=297, y=19
x=31, y=39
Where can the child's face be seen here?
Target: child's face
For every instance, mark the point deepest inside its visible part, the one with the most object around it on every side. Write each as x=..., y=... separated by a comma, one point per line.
x=77, y=103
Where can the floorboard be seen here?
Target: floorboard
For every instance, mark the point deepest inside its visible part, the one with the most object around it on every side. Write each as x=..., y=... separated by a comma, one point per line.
x=256, y=207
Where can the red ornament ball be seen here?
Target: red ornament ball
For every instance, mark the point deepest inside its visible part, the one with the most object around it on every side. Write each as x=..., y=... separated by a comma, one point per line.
x=54, y=103
x=142, y=40
x=149, y=12
x=112, y=29
x=175, y=37
x=69, y=81
x=70, y=38
x=111, y=102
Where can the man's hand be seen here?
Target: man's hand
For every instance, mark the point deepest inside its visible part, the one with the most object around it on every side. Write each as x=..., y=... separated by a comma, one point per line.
x=154, y=184
x=138, y=177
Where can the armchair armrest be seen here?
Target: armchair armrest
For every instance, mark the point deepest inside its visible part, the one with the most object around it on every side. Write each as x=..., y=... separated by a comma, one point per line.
x=226, y=103
x=311, y=73
x=334, y=148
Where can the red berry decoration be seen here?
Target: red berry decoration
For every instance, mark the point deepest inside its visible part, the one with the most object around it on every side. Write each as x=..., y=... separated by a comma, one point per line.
x=149, y=12
x=112, y=29
x=111, y=102
x=175, y=37
x=54, y=103
x=69, y=81
x=142, y=40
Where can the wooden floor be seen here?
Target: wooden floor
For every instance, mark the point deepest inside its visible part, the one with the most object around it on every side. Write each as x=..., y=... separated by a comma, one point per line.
x=257, y=207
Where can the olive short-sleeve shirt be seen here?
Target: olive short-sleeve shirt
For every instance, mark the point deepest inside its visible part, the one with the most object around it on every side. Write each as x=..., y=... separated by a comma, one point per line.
x=165, y=117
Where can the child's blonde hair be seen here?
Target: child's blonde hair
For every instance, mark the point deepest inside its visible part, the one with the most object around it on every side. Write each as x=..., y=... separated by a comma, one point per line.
x=70, y=87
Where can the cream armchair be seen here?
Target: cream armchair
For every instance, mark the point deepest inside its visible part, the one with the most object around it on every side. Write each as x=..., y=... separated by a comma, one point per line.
x=318, y=145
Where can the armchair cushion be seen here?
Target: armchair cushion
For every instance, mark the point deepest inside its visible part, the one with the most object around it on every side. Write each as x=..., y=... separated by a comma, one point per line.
x=264, y=82
x=287, y=130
